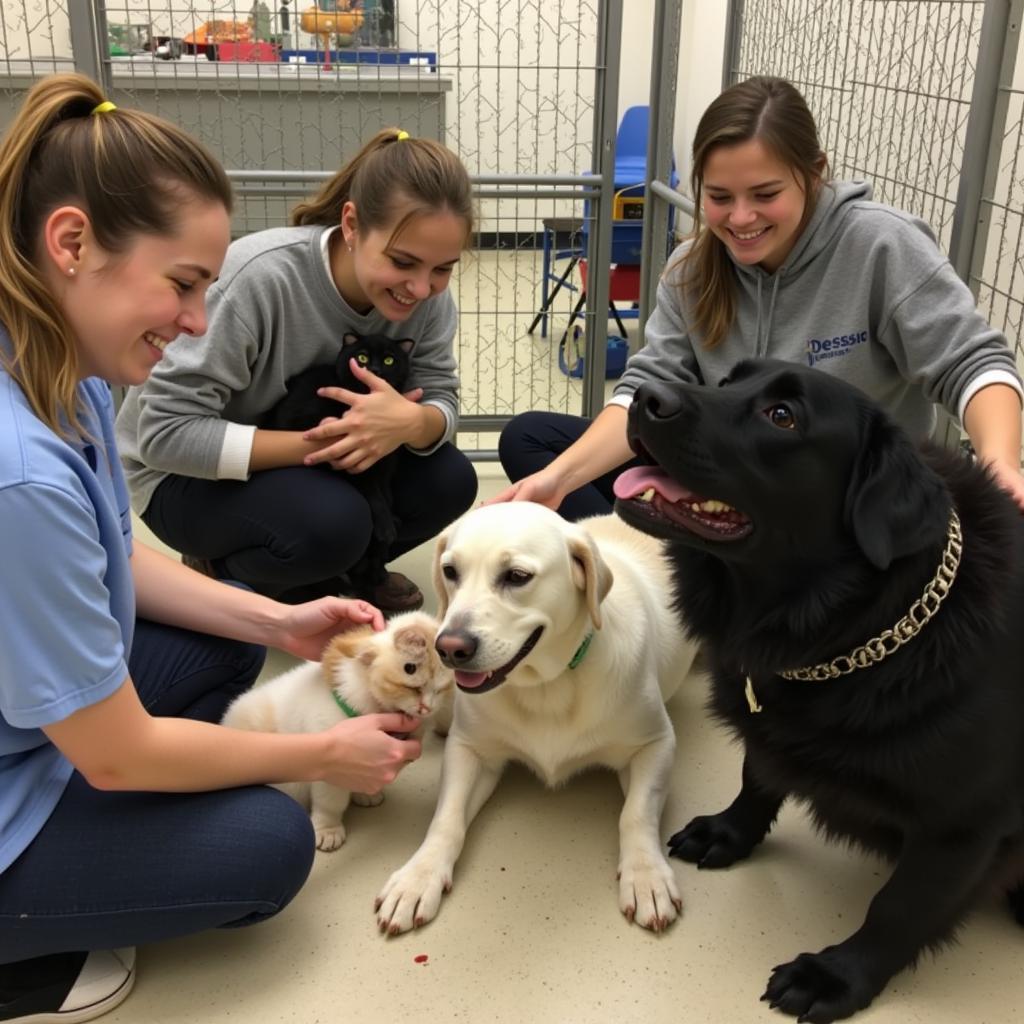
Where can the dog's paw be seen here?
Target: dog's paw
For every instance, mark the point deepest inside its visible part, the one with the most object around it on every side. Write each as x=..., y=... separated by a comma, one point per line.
x=367, y=799
x=411, y=897
x=330, y=838
x=648, y=893
x=821, y=987
x=710, y=841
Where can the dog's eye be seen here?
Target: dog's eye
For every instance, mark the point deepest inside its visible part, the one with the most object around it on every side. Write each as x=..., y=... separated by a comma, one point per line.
x=449, y=573
x=409, y=668
x=781, y=416
x=517, y=577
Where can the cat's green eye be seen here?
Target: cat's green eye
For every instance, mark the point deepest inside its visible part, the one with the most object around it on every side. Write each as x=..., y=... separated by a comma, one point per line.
x=362, y=359
x=388, y=360
x=409, y=668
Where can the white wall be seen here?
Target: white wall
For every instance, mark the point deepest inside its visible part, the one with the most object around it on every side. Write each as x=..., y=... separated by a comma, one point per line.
x=546, y=36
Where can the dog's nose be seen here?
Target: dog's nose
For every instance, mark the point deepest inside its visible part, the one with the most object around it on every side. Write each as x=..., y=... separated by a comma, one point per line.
x=455, y=646
x=657, y=401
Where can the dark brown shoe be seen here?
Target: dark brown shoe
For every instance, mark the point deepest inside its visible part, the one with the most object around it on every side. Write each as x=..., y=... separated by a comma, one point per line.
x=395, y=593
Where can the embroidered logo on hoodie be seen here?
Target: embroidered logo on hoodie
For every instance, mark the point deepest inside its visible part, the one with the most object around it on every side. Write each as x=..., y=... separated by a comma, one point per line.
x=820, y=349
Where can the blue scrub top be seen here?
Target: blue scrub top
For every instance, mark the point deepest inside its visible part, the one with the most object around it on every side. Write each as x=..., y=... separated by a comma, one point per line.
x=67, y=602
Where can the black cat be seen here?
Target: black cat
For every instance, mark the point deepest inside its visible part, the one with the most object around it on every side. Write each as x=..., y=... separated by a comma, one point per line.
x=302, y=408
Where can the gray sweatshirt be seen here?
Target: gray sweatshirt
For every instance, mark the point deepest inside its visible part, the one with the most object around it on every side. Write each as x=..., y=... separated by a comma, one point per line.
x=273, y=312
x=865, y=295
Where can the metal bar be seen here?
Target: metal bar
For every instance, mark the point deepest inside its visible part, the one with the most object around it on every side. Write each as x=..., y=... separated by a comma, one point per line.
x=285, y=190
x=733, y=38
x=674, y=198
x=599, y=243
x=476, y=179
x=87, y=24
x=668, y=17
x=482, y=424
x=997, y=56
x=528, y=193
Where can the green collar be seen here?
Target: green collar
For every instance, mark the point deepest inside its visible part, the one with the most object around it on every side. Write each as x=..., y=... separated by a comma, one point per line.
x=344, y=705
x=581, y=651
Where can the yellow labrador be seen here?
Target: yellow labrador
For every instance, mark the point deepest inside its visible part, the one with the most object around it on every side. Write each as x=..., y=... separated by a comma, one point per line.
x=565, y=647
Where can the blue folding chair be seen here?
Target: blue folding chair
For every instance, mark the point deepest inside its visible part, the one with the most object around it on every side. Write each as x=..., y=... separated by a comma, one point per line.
x=630, y=186
x=627, y=222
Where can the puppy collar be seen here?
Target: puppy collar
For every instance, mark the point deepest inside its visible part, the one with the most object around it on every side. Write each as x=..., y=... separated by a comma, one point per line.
x=344, y=705
x=581, y=651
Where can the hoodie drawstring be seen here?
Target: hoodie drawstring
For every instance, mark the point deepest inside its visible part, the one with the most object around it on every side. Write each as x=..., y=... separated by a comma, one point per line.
x=762, y=348
x=757, y=333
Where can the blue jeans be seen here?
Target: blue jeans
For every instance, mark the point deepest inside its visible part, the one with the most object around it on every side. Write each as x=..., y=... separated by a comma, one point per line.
x=124, y=869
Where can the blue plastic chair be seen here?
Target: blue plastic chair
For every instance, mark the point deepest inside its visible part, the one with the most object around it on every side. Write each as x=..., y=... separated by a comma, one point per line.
x=630, y=180
x=627, y=233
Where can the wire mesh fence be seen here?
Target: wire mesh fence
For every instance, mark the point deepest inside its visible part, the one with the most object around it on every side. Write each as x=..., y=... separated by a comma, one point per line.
x=285, y=92
x=896, y=87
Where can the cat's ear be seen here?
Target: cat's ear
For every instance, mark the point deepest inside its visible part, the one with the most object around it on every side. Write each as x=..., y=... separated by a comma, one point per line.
x=412, y=640
x=406, y=345
x=348, y=339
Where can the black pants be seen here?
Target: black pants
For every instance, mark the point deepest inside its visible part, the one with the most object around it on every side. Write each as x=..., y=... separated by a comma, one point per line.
x=532, y=441
x=300, y=526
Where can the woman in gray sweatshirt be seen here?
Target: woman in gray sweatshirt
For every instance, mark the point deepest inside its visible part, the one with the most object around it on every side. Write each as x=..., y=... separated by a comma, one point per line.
x=371, y=254
x=787, y=264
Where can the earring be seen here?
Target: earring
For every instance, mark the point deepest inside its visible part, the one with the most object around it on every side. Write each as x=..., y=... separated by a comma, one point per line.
x=71, y=271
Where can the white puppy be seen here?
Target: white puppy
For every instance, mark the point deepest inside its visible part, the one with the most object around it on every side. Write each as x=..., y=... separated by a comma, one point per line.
x=566, y=647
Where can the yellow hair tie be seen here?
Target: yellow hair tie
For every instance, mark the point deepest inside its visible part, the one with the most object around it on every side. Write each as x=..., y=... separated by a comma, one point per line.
x=102, y=108
x=401, y=136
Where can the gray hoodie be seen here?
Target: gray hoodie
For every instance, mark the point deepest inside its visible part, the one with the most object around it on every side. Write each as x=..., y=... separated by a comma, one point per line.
x=865, y=294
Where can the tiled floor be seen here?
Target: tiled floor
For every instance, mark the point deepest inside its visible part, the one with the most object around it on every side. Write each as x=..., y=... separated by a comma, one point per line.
x=531, y=932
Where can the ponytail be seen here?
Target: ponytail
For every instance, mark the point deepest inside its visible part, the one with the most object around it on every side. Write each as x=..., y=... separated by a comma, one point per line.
x=129, y=172
x=390, y=180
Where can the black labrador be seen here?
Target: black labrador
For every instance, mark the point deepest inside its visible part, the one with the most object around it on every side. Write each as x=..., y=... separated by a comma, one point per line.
x=861, y=603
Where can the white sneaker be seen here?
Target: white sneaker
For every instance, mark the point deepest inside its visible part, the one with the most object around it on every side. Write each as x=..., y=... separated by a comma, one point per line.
x=103, y=982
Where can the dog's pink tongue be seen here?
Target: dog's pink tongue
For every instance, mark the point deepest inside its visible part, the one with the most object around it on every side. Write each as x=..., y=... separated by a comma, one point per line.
x=470, y=679
x=641, y=478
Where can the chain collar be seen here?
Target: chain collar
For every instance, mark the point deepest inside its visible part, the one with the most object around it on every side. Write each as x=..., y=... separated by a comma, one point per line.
x=890, y=640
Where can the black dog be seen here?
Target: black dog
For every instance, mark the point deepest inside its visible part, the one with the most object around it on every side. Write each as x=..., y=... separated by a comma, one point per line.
x=862, y=607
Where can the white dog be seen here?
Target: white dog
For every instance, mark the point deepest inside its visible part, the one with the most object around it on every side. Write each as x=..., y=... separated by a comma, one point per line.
x=565, y=648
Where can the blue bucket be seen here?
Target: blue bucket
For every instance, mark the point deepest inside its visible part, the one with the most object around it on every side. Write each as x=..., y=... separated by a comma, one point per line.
x=571, y=359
